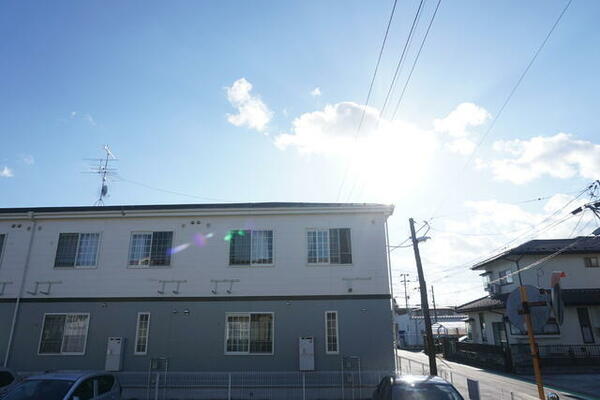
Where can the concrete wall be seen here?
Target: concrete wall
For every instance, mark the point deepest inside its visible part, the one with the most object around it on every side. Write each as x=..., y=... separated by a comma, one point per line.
x=196, y=342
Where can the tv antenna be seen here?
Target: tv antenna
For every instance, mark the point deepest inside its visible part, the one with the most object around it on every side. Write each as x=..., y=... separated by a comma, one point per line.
x=105, y=171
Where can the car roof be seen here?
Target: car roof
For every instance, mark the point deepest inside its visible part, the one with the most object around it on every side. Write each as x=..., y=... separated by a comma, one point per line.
x=420, y=379
x=66, y=376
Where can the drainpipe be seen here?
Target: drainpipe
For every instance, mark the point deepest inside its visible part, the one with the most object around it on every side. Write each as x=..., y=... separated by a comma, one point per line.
x=391, y=288
x=31, y=216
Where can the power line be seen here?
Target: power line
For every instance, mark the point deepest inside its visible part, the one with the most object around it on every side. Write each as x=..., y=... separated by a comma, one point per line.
x=416, y=59
x=510, y=95
x=123, y=179
x=402, y=57
x=362, y=116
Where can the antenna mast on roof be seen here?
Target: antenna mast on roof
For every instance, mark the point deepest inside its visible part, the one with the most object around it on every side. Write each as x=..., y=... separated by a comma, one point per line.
x=105, y=172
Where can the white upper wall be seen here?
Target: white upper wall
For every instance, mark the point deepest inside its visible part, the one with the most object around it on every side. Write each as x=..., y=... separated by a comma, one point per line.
x=578, y=275
x=290, y=273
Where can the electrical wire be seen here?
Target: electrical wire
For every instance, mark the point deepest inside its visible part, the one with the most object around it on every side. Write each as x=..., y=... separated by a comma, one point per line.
x=123, y=179
x=510, y=95
x=402, y=57
x=412, y=69
x=362, y=116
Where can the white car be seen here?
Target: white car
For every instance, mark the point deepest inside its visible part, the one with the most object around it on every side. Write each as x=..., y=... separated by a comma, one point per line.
x=67, y=386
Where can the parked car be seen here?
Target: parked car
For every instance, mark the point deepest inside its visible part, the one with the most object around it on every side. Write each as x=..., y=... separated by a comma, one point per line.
x=67, y=386
x=411, y=387
x=8, y=379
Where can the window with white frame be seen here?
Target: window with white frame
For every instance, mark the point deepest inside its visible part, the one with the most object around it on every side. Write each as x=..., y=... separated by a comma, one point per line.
x=591, y=262
x=150, y=248
x=250, y=247
x=505, y=277
x=77, y=250
x=329, y=246
x=64, y=333
x=2, y=240
x=141, y=333
x=249, y=333
x=331, y=334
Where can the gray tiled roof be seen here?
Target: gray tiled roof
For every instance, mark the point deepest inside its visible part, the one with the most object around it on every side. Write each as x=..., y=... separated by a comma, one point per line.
x=579, y=245
x=198, y=206
x=571, y=297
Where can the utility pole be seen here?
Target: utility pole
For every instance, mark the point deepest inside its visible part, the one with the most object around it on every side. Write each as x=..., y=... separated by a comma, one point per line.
x=434, y=308
x=404, y=281
x=424, y=304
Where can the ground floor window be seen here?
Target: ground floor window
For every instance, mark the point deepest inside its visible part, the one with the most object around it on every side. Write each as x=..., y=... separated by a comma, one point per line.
x=64, y=333
x=331, y=326
x=141, y=333
x=249, y=333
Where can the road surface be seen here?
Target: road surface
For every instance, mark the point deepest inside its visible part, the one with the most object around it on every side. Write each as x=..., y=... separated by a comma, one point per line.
x=494, y=385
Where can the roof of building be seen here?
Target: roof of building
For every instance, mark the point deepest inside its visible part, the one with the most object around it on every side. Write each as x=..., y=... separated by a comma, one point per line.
x=484, y=303
x=571, y=297
x=578, y=245
x=196, y=206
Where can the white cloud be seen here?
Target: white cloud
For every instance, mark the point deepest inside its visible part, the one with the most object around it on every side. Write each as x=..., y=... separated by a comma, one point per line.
x=252, y=112
x=315, y=92
x=6, y=172
x=380, y=151
x=483, y=230
x=558, y=156
x=457, y=125
x=83, y=116
x=459, y=120
x=28, y=159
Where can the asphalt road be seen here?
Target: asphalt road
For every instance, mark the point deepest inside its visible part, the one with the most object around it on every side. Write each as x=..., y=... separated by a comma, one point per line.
x=493, y=385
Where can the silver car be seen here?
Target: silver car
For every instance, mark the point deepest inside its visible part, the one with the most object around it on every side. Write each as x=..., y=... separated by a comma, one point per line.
x=67, y=386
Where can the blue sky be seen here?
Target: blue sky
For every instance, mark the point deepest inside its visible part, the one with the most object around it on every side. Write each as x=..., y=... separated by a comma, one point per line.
x=150, y=79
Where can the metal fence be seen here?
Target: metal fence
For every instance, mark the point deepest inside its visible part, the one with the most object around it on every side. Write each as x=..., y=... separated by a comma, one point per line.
x=318, y=385
x=469, y=387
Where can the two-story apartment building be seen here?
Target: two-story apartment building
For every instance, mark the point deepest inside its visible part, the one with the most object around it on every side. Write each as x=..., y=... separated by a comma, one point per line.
x=578, y=258
x=210, y=287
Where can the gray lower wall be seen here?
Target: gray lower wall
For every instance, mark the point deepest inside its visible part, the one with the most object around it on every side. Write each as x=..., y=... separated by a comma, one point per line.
x=196, y=342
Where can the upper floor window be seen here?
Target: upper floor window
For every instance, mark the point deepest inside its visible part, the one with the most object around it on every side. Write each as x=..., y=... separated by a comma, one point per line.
x=505, y=277
x=329, y=246
x=591, y=262
x=150, y=248
x=64, y=333
x=249, y=247
x=77, y=250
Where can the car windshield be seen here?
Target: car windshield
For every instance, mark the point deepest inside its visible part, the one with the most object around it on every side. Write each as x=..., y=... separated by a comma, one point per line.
x=39, y=389
x=429, y=391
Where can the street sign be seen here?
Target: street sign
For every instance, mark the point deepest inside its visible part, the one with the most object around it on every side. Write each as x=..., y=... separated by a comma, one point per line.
x=539, y=310
x=557, y=301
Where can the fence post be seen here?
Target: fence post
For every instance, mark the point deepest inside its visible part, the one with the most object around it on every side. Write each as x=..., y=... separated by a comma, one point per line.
x=451, y=378
x=156, y=385
x=409, y=366
x=303, y=386
x=229, y=388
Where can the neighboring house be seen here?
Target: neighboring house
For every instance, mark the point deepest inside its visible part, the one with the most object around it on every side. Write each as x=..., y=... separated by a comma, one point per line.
x=581, y=292
x=410, y=325
x=210, y=287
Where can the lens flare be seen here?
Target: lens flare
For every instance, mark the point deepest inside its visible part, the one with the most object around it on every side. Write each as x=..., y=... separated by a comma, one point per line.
x=200, y=240
x=179, y=248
